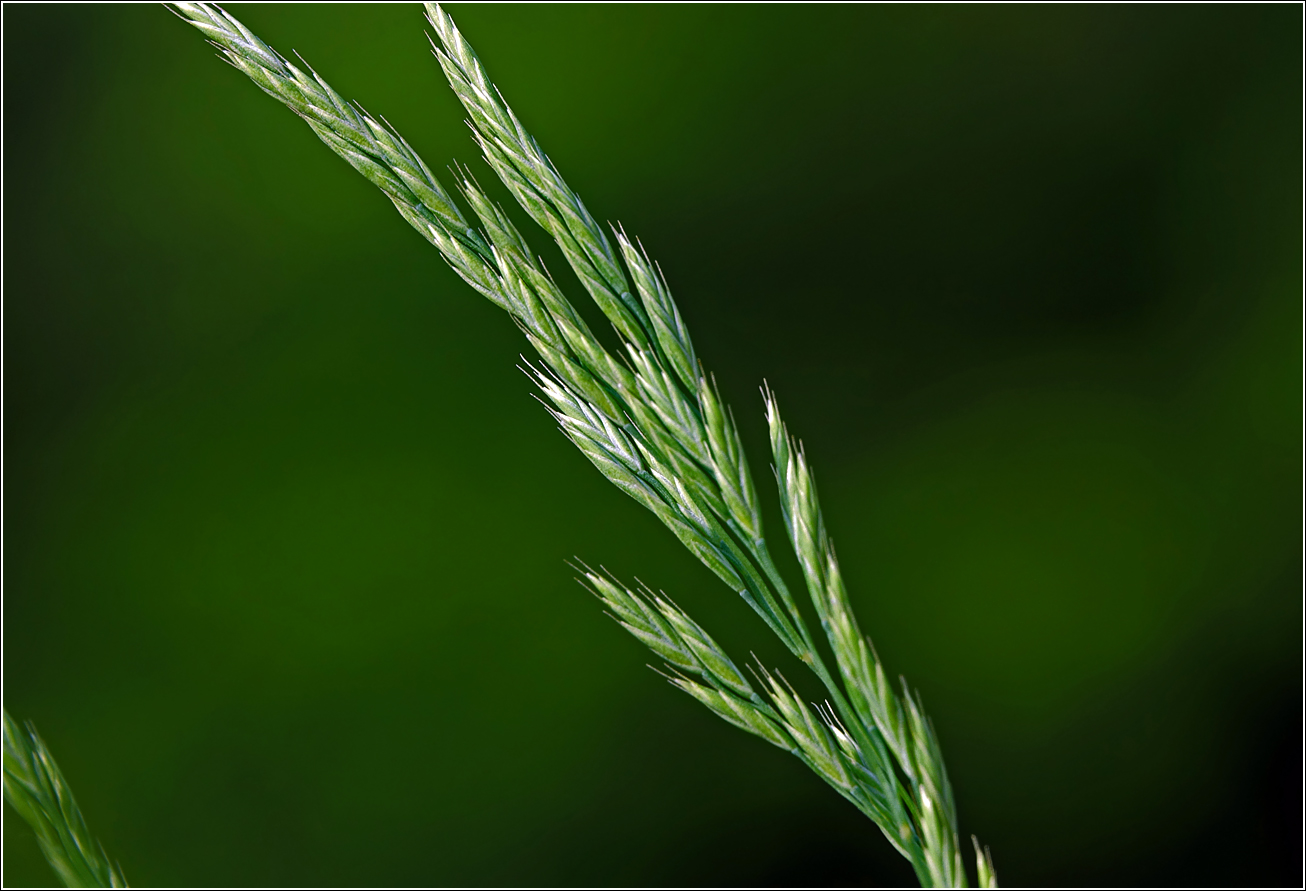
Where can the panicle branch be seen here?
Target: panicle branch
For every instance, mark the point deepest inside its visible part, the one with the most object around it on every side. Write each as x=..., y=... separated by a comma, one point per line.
x=650, y=420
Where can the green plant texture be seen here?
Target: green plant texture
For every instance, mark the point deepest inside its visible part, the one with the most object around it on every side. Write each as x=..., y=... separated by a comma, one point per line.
x=650, y=419
x=36, y=789
x=286, y=580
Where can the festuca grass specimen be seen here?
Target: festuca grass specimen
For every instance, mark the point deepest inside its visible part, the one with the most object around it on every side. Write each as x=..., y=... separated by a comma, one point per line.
x=650, y=419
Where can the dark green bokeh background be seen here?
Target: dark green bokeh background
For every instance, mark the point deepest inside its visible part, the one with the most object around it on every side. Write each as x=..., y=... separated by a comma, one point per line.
x=285, y=531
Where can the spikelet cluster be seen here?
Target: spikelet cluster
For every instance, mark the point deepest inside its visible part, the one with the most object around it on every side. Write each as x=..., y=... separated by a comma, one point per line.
x=650, y=419
x=36, y=789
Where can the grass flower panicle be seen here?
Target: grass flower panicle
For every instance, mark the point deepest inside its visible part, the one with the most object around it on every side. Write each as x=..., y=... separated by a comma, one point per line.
x=650, y=419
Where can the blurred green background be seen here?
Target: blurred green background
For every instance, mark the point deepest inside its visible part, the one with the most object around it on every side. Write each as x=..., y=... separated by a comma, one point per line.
x=285, y=531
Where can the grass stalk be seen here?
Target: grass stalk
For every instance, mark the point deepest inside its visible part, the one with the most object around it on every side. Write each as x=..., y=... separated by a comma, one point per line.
x=649, y=418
